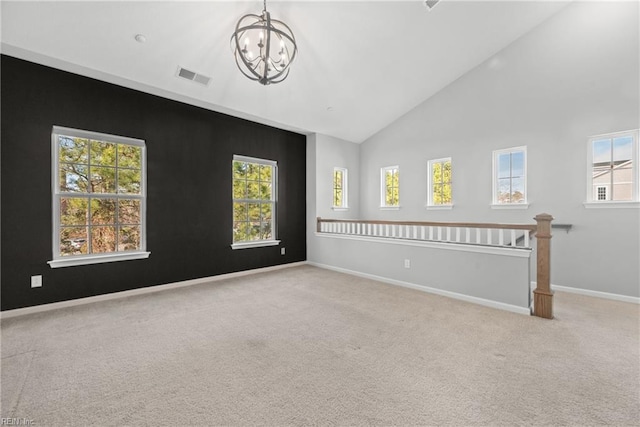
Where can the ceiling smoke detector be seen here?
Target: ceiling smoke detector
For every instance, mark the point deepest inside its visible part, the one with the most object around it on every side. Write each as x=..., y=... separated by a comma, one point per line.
x=193, y=76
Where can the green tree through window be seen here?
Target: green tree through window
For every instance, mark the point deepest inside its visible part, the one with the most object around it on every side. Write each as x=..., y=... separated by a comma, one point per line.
x=99, y=197
x=253, y=199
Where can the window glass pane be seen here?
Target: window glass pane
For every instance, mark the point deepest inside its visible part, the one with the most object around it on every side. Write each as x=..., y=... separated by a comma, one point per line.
x=129, y=238
x=129, y=181
x=103, y=211
x=517, y=190
x=73, y=241
x=446, y=194
x=622, y=183
x=265, y=230
x=73, y=150
x=74, y=211
x=337, y=197
x=103, y=180
x=504, y=165
x=602, y=151
x=265, y=173
x=266, y=211
x=254, y=211
x=265, y=191
x=253, y=171
x=254, y=231
x=622, y=149
x=337, y=179
x=446, y=173
x=73, y=178
x=437, y=172
x=240, y=212
x=517, y=164
x=129, y=211
x=253, y=190
x=504, y=190
x=240, y=231
x=103, y=239
x=239, y=170
x=102, y=153
x=129, y=156
x=239, y=189
x=396, y=178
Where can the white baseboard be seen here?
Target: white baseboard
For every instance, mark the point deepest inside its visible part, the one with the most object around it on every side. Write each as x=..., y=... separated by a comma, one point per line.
x=590, y=293
x=141, y=291
x=428, y=289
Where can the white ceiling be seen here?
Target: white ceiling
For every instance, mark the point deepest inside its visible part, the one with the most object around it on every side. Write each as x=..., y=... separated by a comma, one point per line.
x=361, y=65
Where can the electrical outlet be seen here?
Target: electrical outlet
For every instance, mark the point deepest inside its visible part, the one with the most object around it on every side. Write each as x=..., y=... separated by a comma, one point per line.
x=36, y=281
x=407, y=263
x=282, y=251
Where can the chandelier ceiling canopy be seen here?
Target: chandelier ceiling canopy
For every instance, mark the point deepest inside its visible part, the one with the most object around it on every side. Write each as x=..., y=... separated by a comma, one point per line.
x=263, y=47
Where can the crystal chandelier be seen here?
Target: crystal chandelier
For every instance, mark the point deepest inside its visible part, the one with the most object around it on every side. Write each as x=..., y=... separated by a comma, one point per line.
x=263, y=47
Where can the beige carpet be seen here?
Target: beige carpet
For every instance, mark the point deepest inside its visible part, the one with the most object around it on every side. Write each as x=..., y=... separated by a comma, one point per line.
x=305, y=346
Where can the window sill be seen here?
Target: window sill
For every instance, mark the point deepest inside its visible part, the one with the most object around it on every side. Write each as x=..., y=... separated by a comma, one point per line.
x=611, y=205
x=340, y=208
x=257, y=244
x=389, y=208
x=97, y=259
x=439, y=207
x=510, y=206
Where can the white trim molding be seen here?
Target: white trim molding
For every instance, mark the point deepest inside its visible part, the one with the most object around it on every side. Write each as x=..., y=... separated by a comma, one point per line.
x=141, y=291
x=611, y=205
x=590, y=293
x=86, y=260
x=255, y=244
x=428, y=289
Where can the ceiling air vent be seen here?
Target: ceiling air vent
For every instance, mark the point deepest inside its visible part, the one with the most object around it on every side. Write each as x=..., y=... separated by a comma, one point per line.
x=193, y=76
x=430, y=4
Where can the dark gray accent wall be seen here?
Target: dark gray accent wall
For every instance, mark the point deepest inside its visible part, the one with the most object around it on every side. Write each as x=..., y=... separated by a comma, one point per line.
x=189, y=207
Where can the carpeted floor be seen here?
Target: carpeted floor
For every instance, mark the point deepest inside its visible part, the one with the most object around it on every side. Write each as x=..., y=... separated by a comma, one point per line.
x=306, y=346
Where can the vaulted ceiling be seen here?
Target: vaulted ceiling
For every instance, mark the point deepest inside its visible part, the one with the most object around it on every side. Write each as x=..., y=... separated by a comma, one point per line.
x=361, y=64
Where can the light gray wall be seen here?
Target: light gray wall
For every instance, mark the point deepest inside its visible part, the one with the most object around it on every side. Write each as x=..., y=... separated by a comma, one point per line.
x=333, y=152
x=574, y=76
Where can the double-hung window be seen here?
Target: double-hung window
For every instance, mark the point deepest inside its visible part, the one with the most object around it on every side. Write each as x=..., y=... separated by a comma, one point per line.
x=99, y=197
x=439, y=183
x=510, y=177
x=254, y=202
x=340, y=193
x=390, y=187
x=612, y=178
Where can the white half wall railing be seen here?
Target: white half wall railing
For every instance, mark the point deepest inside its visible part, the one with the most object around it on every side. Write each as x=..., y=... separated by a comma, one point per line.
x=488, y=235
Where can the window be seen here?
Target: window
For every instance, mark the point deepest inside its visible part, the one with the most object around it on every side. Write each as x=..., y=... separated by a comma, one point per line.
x=340, y=194
x=613, y=175
x=390, y=187
x=439, y=183
x=254, y=202
x=510, y=177
x=99, y=201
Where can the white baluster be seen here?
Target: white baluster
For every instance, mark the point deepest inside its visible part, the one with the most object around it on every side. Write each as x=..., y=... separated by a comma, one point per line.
x=430, y=233
x=439, y=233
x=527, y=243
x=513, y=238
x=501, y=237
x=468, y=235
x=422, y=233
x=489, y=237
x=478, y=239
x=458, y=234
x=448, y=234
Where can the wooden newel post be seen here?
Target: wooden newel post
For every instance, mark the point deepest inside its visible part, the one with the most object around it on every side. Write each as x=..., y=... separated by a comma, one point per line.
x=542, y=295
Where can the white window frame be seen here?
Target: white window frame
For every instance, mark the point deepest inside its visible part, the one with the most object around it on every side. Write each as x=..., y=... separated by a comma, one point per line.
x=383, y=188
x=430, y=203
x=274, y=200
x=345, y=190
x=73, y=260
x=495, y=204
x=591, y=195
